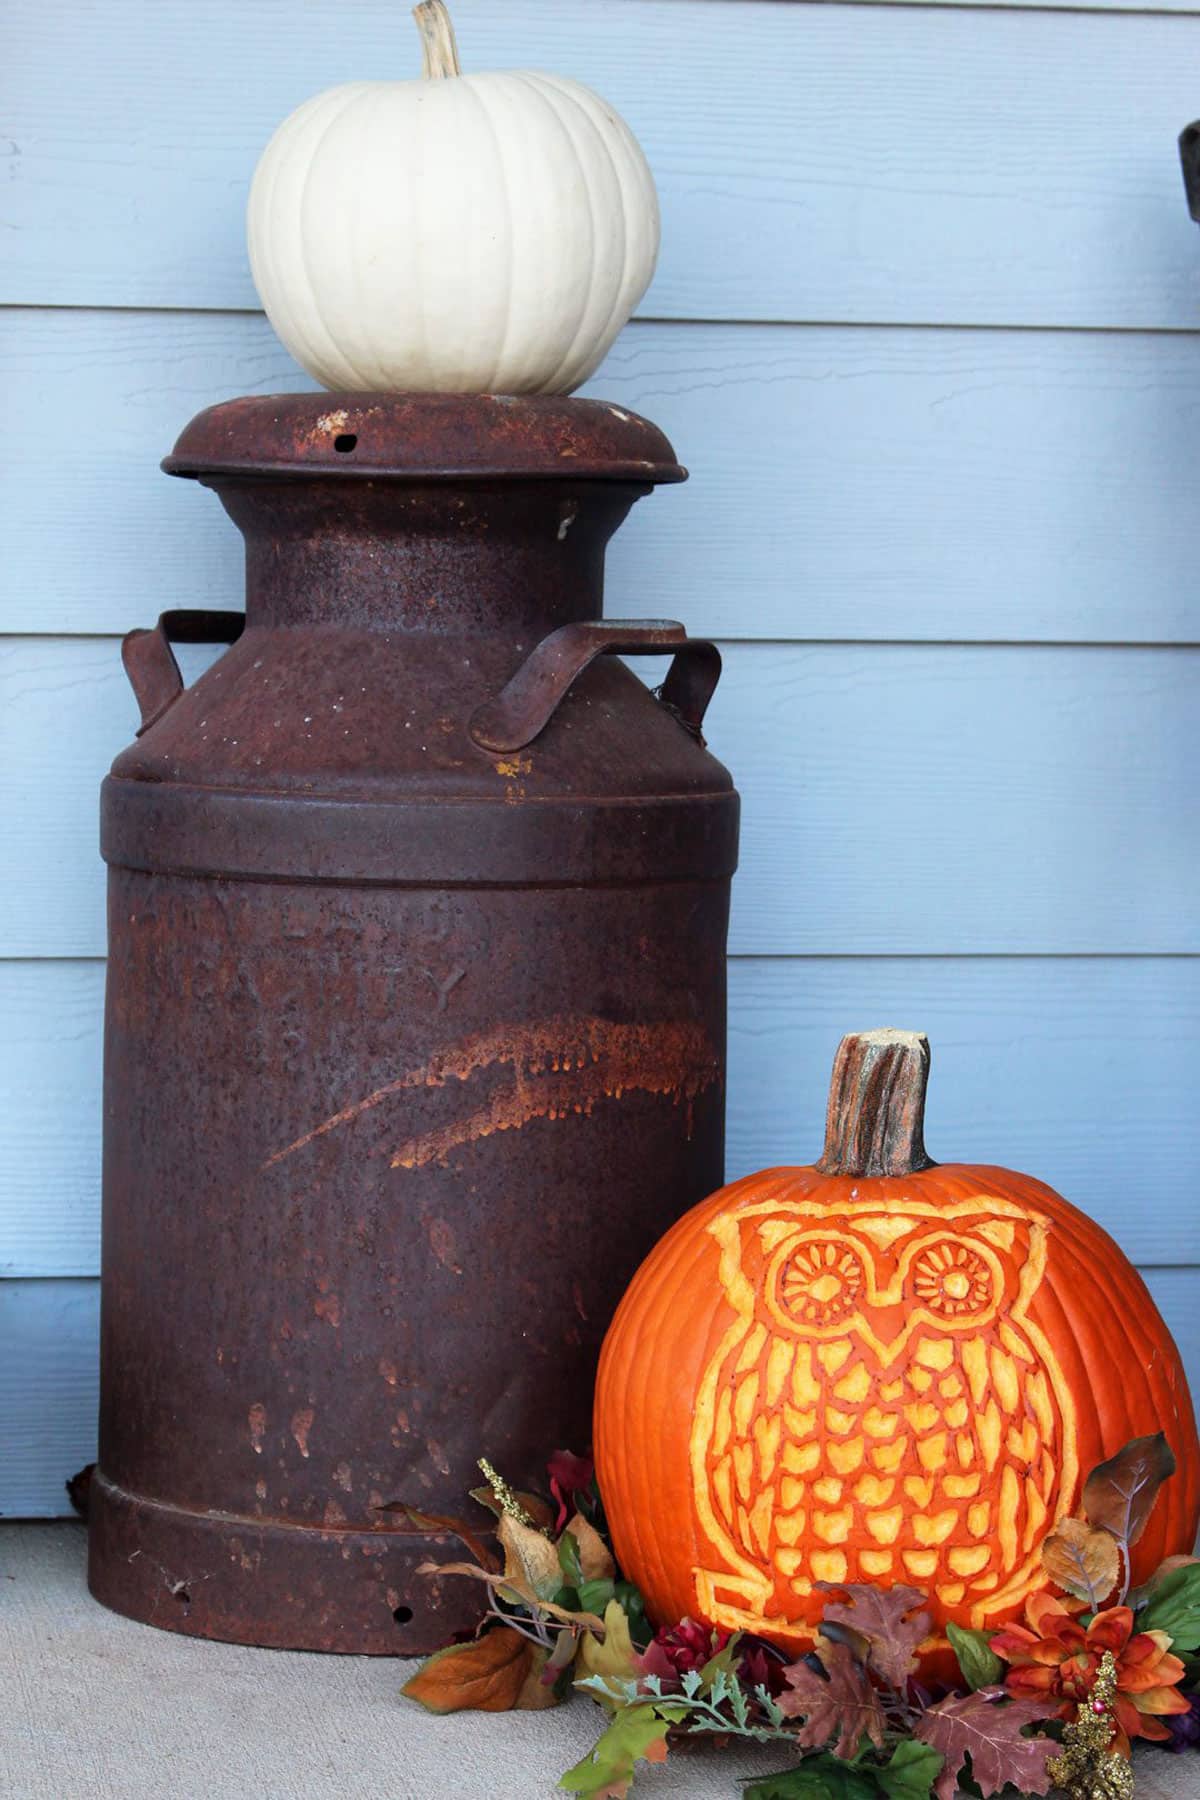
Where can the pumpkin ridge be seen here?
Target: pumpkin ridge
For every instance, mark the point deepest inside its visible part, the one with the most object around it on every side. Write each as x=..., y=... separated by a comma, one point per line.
x=478, y=91
x=315, y=298
x=545, y=89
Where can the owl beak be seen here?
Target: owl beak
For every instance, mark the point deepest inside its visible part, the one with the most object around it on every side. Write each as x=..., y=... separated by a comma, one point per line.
x=890, y=1324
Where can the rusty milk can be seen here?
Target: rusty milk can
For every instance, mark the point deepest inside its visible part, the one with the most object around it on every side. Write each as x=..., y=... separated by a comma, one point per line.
x=416, y=1006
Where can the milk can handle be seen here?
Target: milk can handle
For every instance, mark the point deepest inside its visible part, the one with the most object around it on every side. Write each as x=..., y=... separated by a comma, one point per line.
x=150, y=662
x=525, y=706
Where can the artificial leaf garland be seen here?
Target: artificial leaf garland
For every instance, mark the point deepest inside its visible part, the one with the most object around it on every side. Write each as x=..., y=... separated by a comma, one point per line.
x=1094, y=1668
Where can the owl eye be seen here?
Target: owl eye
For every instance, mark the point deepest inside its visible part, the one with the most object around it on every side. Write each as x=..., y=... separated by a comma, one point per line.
x=952, y=1280
x=821, y=1283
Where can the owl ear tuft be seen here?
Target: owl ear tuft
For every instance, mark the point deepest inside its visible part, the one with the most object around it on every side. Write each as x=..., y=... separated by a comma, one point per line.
x=1001, y=1232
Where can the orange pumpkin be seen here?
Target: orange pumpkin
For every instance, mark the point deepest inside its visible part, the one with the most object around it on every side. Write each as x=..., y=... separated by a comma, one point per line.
x=876, y=1369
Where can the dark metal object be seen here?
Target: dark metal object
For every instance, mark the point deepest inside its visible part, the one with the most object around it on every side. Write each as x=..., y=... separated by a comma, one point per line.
x=150, y=661
x=526, y=705
x=416, y=1006
x=1189, y=156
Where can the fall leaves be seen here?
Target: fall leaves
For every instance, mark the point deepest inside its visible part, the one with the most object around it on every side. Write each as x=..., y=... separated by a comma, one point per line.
x=1088, y=1556
x=852, y=1716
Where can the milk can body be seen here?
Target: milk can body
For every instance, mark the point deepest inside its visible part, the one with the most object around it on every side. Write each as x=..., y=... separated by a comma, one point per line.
x=416, y=1007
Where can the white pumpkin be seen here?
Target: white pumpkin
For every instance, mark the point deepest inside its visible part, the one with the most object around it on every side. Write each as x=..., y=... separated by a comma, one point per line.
x=457, y=234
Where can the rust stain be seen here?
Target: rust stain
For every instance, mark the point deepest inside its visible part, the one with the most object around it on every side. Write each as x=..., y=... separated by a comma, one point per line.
x=260, y=1489
x=257, y=1420
x=333, y=1514
x=441, y=1241
x=329, y=1308
x=562, y=1065
x=437, y=1456
x=387, y=1369
x=302, y=1424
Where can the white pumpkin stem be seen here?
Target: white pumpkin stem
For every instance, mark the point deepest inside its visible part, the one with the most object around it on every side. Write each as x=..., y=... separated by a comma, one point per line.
x=439, y=51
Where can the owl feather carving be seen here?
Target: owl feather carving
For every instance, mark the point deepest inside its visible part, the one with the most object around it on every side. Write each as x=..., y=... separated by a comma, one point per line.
x=882, y=1409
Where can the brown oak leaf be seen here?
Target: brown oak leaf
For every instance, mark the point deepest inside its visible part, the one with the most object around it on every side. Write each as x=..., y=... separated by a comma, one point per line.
x=1120, y=1493
x=499, y=1672
x=1084, y=1561
x=989, y=1731
x=891, y=1620
x=411, y=1518
x=841, y=1705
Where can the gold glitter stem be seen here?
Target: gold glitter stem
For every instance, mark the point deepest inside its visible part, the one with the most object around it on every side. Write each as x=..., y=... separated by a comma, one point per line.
x=506, y=1500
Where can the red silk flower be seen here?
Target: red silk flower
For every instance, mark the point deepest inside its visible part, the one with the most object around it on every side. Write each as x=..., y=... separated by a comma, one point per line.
x=1058, y=1659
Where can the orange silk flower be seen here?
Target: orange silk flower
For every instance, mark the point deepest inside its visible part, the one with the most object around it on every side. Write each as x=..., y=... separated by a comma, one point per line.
x=1057, y=1659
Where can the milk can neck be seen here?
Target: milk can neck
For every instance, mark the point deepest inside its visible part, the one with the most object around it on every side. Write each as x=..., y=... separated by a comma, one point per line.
x=447, y=558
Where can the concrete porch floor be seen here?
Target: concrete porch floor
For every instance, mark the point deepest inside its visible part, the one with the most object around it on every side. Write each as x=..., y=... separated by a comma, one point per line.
x=94, y=1707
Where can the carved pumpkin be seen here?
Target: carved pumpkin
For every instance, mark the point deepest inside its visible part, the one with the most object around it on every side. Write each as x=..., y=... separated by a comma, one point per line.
x=460, y=234
x=876, y=1369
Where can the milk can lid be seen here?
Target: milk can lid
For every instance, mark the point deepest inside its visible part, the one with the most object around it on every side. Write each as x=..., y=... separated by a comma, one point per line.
x=425, y=437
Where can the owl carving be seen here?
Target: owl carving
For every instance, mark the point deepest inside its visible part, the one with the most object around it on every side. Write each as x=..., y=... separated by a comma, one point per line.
x=882, y=1409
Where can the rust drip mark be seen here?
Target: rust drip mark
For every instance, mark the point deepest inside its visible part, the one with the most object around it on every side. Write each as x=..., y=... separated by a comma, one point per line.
x=302, y=1424
x=565, y=1067
x=387, y=1369
x=561, y=1066
x=329, y=1308
x=256, y=1418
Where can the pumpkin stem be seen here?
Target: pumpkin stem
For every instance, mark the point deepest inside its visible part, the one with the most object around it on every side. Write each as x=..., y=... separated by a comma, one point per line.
x=439, y=52
x=876, y=1117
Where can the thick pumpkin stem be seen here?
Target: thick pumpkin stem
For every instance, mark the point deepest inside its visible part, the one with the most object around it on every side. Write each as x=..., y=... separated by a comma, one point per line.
x=876, y=1118
x=439, y=51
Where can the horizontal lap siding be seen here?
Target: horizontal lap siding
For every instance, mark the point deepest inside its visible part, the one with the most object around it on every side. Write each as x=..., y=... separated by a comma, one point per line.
x=846, y=482
x=939, y=165
x=927, y=329
x=897, y=799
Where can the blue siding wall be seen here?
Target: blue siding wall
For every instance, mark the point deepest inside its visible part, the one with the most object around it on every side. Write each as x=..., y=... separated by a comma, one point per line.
x=927, y=331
